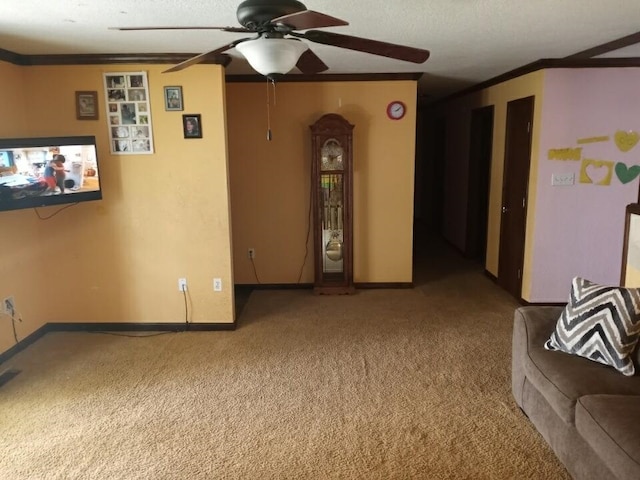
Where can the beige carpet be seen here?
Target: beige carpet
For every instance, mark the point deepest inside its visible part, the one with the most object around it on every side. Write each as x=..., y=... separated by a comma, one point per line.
x=384, y=384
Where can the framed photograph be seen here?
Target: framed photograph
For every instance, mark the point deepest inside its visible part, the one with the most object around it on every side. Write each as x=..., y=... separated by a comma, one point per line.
x=192, y=125
x=129, y=113
x=173, y=98
x=87, y=105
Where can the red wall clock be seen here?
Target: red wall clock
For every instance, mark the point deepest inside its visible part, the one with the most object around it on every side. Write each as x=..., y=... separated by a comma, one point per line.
x=396, y=110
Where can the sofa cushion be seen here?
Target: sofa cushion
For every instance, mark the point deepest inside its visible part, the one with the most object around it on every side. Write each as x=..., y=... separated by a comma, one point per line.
x=562, y=378
x=601, y=323
x=609, y=424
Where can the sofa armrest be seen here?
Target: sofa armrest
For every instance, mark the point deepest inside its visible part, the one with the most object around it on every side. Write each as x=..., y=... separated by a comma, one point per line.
x=531, y=326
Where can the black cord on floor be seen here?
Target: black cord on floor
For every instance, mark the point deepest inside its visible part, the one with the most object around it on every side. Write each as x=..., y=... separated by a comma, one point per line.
x=102, y=332
x=133, y=336
x=306, y=243
x=12, y=316
x=186, y=325
x=13, y=325
x=255, y=272
x=186, y=311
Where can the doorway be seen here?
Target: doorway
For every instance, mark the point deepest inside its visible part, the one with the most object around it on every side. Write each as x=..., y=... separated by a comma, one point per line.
x=480, y=149
x=436, y=178
x=514, y=194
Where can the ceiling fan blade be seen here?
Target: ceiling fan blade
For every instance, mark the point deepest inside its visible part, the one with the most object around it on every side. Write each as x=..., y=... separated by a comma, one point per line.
x=309, y=19
x=310, y=63
x=203, y=56
x=384, y=49
x=225, y=29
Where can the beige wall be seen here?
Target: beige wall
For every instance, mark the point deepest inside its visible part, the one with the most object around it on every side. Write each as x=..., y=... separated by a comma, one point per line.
x=167, y=215
x=458, y=115
x=13, y=253
x=13, y=116
x=270, y=180
x=163, y=216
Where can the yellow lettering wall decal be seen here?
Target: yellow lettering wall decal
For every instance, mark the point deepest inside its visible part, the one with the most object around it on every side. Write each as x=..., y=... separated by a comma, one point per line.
x=603, y=138
x=626, y=140
x=598, y=172
x=565, y=153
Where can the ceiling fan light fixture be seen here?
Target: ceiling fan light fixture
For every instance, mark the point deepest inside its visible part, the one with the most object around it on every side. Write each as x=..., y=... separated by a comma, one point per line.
x=269, y=56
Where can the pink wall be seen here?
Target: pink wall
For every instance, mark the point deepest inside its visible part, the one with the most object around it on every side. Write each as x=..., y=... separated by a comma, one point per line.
x=579, y=228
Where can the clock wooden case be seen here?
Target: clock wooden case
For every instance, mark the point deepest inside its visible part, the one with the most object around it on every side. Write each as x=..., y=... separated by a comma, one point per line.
x=332, y=187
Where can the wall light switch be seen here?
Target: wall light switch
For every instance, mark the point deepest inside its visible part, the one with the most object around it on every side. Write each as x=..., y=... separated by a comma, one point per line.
x=217, y=284
x=563, y=179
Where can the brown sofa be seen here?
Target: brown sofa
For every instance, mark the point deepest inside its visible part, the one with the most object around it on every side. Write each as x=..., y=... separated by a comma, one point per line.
x=587, y=412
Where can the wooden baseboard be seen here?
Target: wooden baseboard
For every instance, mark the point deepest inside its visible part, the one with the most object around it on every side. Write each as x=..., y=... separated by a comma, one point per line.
x=7, y=375
x=390, y=285
x=24, y=343
x=275, y=286
x=491, y=276
x=112, y=327
x=138, y=327
x=288, y=286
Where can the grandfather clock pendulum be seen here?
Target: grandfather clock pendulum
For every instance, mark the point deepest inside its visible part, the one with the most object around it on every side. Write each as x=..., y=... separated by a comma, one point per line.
x=332, y=185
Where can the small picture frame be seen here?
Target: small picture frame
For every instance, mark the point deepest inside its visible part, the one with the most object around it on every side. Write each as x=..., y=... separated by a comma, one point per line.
x=87, y=105
x=192, y=125
x=173, y=98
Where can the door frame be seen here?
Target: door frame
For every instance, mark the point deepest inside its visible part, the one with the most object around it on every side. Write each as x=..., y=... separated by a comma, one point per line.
x=515, y=213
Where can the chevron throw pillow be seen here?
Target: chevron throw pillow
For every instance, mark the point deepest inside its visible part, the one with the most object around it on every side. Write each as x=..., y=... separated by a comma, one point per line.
x=601, y=323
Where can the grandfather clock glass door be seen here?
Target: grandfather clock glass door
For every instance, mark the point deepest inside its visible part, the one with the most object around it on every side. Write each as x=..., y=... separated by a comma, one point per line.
x=332, y=184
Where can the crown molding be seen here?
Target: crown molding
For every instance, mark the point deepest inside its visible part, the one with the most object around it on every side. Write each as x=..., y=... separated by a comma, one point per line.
x=106, y=58
x=12, y=57
x=573, y=61
x=542, y=64
x=175, y=58
x=617, y=44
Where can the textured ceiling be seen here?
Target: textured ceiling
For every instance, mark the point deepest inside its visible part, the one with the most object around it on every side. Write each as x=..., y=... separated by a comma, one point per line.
x=470, y=40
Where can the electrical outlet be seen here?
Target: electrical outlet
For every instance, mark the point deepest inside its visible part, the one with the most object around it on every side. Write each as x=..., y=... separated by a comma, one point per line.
x=9, y=306
x=182, y=284
x=251, y=253
x=217, y=284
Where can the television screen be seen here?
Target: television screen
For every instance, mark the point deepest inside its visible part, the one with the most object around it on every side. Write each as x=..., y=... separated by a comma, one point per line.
x=37, y=172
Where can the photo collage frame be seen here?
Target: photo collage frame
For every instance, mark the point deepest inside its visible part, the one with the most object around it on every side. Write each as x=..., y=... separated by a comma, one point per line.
x=128, y=113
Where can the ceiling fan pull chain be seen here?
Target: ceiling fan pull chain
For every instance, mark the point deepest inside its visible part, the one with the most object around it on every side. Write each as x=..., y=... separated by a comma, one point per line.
x=269, y=136
x=273, y=82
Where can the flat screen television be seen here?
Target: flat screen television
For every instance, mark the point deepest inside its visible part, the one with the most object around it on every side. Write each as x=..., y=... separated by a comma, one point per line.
x=38, y=172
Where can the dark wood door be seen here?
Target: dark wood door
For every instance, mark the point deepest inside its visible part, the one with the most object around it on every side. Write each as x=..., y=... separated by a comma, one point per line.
x=481, y=143
x=514, y=194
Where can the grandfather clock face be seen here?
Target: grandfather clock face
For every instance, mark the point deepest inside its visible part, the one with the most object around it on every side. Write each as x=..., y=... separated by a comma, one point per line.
x=331, y=155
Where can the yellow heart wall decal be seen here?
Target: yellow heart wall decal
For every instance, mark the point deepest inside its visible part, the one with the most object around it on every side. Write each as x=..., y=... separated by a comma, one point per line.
x=596, y=171
x=626, y=140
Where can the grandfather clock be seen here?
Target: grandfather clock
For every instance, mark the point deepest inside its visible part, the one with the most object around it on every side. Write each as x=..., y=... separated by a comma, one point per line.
x=332, y=186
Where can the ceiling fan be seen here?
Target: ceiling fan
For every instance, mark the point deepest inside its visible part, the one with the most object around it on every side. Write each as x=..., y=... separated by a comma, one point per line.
x=277, y=47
